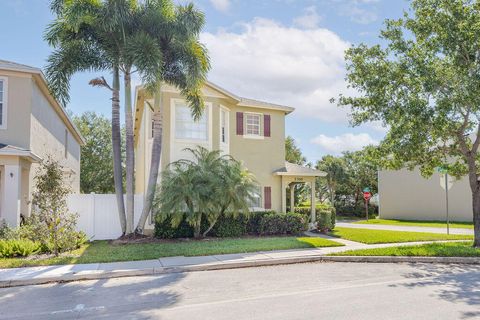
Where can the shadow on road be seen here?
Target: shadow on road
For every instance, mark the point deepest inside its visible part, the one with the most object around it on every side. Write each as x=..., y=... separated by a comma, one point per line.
x=456, y=283
x=93, y=299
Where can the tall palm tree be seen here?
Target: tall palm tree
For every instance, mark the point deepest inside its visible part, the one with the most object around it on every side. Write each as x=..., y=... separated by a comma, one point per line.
x=114, y=29
x=82, y=35
x=184, y=64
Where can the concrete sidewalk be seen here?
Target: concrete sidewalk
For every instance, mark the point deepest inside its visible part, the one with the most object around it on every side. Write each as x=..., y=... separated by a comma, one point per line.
x=39, y=275
x=404, y=228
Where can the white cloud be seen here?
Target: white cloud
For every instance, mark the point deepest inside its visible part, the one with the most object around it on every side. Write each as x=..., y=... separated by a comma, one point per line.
x=221, y=5
x=287, y=65
x=309, y=20
x=359, y=11
x=344, y=142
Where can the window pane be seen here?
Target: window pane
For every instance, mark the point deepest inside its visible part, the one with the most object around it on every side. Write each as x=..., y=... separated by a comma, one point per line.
x=186, y=127
x=253, y=124
x=1, y=113
x=256, y=202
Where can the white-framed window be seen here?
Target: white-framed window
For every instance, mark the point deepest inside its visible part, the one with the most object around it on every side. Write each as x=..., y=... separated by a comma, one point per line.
x=188, y=129
x=3, y=102
x=256, y=200
x=223, y=126
x=253, y=124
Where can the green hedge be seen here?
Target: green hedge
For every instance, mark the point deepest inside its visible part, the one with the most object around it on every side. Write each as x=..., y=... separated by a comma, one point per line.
x=358, y=211
x=256, y=223
x=18, y=248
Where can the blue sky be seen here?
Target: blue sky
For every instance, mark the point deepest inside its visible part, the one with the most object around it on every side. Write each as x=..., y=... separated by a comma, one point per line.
x=282, y=51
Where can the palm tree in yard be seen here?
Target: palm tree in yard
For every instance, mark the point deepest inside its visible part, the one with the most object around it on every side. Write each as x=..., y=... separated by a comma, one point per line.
x=92, y=35
x=83, y=42
x=204, y=189
x=183, y=62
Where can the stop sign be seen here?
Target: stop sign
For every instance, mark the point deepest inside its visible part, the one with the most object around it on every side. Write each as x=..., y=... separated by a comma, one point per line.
x=367, y=195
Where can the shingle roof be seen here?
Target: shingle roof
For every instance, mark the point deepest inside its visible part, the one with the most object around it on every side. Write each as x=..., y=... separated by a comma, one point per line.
x=292, y=169
x=9, y=65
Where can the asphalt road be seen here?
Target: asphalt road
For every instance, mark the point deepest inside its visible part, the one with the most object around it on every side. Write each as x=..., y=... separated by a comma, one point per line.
x=303, y=291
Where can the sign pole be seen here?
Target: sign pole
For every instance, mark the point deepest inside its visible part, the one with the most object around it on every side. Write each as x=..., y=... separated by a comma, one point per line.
x=366, y=208
x=446, y=202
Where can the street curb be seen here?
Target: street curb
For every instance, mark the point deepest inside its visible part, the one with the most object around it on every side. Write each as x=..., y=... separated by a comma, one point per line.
x=96, y=275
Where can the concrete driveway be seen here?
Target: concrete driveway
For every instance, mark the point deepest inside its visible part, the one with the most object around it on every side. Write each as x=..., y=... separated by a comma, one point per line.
x=303, y=291
x=404, y=228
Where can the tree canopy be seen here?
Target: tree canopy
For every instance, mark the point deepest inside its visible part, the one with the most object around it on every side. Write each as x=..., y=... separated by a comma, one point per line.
x=96, y=155
x=423, y=84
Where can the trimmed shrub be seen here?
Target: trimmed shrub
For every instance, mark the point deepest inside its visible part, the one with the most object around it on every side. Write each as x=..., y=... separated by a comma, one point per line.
x=289, y=223
x=325, y=222
x=229, y=226
x=256, y=223
x=358, y=211
x=255, y=220
x=18, y=248
x=164, y=230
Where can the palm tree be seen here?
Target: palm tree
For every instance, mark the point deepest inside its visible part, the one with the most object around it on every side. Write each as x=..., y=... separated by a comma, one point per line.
x=184, y=64
x=82, y=35
x=206, y=188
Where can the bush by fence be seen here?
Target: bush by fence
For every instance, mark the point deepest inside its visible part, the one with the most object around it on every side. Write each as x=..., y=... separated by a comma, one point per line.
x=256, y=223
x=325, y=216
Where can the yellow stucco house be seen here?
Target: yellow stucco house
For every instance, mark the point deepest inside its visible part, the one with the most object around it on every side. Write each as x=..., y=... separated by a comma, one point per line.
x=32, y=126
x=251, y=131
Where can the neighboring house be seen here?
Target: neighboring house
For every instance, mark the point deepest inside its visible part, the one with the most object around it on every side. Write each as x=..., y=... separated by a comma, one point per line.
x=406, y=195
x=251, y=131
x=32, y=126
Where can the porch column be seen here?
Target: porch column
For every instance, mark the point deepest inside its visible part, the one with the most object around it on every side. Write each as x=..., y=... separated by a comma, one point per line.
x=292, y=197
x=12, y=194
x=284, y=196
x=312, y=204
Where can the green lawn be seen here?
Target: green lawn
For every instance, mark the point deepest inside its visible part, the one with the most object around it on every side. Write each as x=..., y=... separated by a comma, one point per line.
x=104, y=251
x=416, y=223
x=385, y=236
x=451, y=249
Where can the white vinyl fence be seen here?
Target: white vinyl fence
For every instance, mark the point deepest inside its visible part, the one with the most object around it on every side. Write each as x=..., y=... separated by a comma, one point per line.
x=98, y=215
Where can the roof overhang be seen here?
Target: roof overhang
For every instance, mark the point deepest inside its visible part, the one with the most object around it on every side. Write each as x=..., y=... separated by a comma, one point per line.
x=26, y=154
x=295, y=170
x=39, y=77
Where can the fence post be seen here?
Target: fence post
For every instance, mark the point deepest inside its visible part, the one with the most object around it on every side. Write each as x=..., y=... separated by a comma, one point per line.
x=93, y=215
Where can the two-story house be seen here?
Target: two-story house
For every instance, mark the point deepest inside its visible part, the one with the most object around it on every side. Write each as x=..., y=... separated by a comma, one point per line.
x=251, y=131
x=33, y=126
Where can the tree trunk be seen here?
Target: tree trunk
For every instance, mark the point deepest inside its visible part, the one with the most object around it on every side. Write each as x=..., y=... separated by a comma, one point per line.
x=476, y=218
x=130, y=156
x=155, y=161
x=117, y=148
x=197, y=227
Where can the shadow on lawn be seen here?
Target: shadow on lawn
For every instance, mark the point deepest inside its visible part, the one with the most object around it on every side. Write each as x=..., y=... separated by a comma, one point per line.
x=131, y=298
x=456, y=283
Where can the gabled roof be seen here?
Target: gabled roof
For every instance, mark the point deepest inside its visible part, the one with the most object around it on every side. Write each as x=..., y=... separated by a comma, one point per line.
x=241, y=101
x=9, y=65
x=9, y=150
x=292, y=169
x=38, y=74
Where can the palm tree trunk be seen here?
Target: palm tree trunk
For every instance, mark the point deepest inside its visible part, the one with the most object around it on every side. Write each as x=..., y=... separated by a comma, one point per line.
x=155, y=161
x=130, y=155
x=117, y=148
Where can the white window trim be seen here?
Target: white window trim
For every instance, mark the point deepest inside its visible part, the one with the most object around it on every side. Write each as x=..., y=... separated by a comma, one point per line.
x=206, y=143
x=261, y=134
x=3, y=126
x=227, y=125
x=209, y=121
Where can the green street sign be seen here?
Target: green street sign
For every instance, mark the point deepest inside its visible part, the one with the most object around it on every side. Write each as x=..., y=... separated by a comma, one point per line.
x=366, y=189
x=443, y=169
